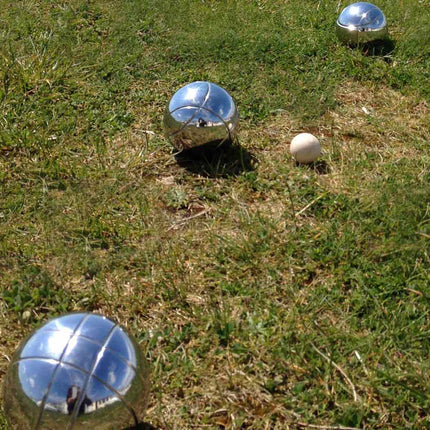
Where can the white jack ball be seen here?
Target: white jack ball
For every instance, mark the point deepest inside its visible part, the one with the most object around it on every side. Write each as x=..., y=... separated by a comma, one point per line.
x=305, y=148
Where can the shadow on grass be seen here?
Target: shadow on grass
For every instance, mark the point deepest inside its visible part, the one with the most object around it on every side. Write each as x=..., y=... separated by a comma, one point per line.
x=320, y=167
x=217, y=159
x=378, y=48
x=142, y=426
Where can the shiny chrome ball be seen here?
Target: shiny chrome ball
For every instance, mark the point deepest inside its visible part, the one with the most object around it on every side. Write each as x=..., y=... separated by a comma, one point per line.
x=360, y=23
x=200, y=113
x=77, y=371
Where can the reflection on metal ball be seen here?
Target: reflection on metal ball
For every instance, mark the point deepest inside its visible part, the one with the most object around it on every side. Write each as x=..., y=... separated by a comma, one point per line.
x=200, y=113
x=360, y=23
x=77, y=371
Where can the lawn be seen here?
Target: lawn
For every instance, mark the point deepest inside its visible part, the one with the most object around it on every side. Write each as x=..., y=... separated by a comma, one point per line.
x=265, y=294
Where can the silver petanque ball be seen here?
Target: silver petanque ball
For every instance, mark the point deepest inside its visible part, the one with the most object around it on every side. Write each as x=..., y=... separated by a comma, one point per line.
x=200, y=113
x=360, y=23
x=78, y=371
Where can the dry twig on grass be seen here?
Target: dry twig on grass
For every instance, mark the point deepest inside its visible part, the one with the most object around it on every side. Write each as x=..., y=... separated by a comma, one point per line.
x=184, y=220
x=341, y=371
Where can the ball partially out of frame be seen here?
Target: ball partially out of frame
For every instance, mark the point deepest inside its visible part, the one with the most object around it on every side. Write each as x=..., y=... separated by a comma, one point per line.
x=360, y=23
x=78, y=371
x=200, y=113
x=305, y=148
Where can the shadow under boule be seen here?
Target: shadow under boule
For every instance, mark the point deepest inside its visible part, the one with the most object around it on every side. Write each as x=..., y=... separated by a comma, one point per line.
x=378, y=48
x=217, y=159
x=142, y=426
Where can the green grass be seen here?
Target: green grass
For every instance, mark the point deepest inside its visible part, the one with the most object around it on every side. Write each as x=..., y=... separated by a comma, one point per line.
x=265, y=294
